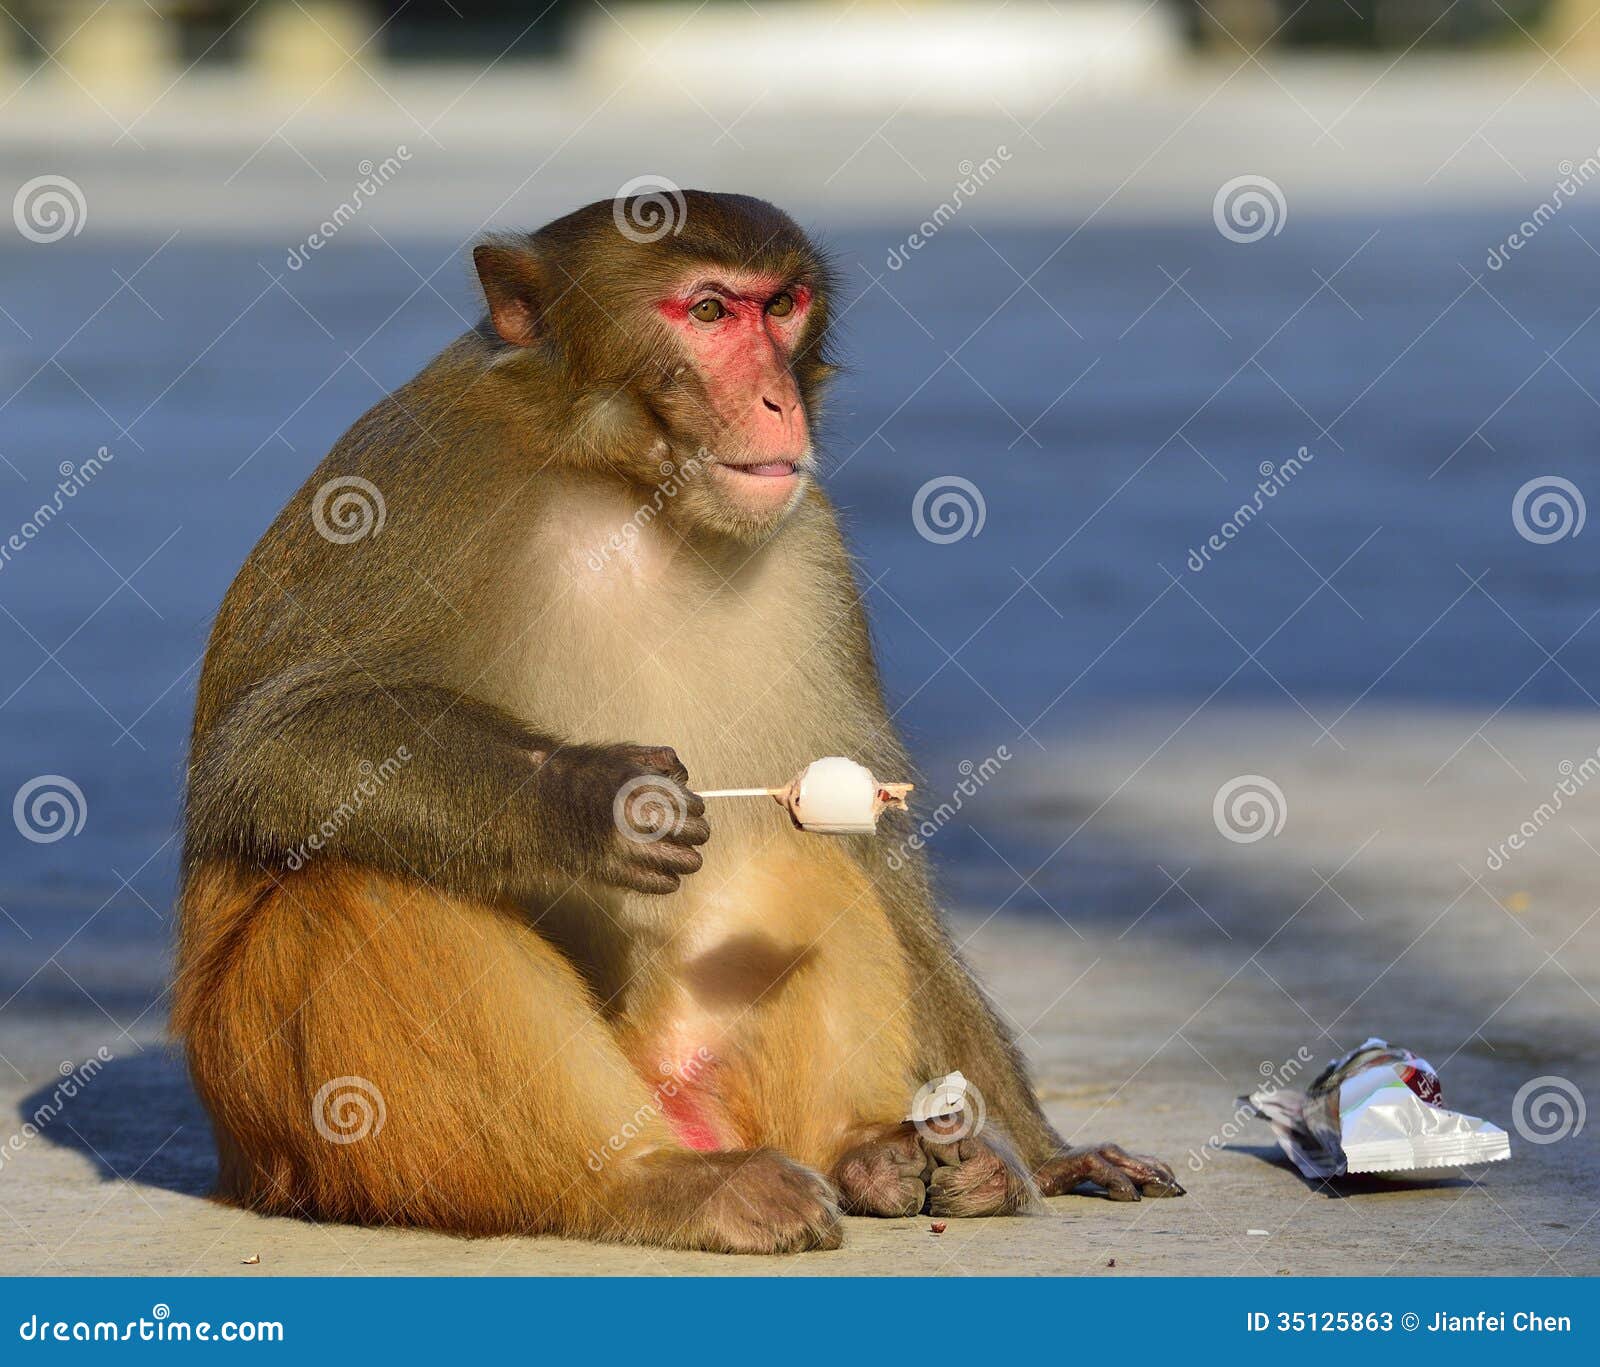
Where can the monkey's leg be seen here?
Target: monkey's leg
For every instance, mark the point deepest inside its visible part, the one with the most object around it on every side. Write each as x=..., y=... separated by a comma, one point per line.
x=958, y=1028
x=373, y=1051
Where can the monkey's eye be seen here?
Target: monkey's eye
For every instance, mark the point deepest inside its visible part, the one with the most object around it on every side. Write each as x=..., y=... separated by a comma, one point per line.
x=708, y=311
x=782, y=305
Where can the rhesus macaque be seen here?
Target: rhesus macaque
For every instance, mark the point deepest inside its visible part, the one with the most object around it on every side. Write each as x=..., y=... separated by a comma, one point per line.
x=602, y=561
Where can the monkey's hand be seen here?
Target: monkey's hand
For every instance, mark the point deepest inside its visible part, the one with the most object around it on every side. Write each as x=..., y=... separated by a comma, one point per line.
x=1122, y=1175
x=905, y=1170
x=636, y=822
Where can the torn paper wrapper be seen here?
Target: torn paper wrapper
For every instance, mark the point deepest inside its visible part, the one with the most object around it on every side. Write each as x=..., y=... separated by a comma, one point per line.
x=1377, y=1111
x=943, y=1096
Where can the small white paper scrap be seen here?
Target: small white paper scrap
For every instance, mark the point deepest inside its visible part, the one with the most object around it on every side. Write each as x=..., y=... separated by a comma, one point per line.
x=945, y=1095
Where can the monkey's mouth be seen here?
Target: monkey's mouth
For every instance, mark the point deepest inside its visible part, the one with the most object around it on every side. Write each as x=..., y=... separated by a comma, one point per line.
x=767, y=469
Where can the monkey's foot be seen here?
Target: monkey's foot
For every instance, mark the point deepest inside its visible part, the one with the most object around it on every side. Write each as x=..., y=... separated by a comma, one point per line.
x=758, y=1201
x=886, y=1176
x=904, y=1171
x=1122, y=1175
x=979, y=1175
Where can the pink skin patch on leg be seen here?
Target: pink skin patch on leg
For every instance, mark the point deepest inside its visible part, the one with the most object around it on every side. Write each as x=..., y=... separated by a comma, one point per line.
x=689, y=1114
x=689, y=1123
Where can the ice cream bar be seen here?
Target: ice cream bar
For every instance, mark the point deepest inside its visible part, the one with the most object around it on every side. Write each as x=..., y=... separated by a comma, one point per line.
x=833, y=796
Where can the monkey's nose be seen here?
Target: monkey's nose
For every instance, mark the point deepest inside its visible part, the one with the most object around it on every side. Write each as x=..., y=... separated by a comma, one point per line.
x=782, y=409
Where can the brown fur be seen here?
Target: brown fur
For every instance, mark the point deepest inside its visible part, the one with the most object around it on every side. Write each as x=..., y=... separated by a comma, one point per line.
x=473, y=940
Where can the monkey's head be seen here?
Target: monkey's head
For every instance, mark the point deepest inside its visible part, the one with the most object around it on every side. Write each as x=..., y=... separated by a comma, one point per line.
x=676, y=339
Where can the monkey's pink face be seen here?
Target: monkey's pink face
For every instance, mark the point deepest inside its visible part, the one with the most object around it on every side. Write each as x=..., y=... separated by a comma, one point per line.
x=739, y=333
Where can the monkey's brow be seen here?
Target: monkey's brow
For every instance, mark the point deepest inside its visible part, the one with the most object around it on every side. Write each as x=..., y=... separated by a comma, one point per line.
x=764, y=287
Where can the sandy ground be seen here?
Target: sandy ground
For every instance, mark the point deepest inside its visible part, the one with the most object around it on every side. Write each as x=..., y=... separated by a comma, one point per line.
x=1183, y=967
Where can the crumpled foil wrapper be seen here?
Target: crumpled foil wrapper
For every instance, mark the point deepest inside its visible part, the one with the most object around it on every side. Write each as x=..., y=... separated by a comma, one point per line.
x=1377, y=1111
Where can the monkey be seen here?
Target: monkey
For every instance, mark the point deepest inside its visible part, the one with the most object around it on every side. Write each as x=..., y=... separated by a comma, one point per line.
x=432, y=969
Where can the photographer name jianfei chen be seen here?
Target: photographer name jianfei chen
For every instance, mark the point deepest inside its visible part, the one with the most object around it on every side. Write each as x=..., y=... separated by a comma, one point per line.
x=1519, y=1322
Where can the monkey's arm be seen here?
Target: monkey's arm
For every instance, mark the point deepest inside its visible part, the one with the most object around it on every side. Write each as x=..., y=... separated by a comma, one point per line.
x=426, y=783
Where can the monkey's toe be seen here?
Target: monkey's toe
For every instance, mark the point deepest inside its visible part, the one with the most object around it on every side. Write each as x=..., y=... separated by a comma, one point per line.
x=975, y=1179
x=1120, y=1175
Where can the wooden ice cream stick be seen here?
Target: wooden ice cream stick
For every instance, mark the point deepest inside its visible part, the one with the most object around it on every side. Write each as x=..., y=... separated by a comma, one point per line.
x=745, y=792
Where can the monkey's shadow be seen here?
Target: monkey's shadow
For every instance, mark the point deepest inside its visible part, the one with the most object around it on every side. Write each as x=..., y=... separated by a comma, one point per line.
x=136, y=1120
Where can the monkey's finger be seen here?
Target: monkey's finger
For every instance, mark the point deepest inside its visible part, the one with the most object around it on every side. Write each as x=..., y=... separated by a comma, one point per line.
x=638, y=879
x=663, y=759
x=1117, y=1187
x=1153, y=1177
x=666, y=857
x=693, y=830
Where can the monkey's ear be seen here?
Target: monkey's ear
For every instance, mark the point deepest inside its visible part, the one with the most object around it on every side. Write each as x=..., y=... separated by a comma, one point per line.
x=513, y=285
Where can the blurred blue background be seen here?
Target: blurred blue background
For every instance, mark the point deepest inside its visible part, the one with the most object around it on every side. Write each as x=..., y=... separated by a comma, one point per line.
x=1078, y=338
